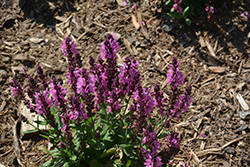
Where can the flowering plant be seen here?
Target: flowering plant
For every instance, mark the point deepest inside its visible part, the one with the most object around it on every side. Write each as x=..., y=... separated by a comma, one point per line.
x=106, y=119
x=185, y=9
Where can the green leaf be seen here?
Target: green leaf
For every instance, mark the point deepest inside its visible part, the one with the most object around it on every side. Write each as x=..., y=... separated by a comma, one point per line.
x=162, y=135
x=59, y=120
x=45, y=150
x=126, y=100
x=46, y=137
x=167, y=3
x=108, y=152
x=56, y=154
x=188, y=21
x=66, y=164
x=97, y=124
x=48, y=163
x=52, y=110
x=73, y=158
x=105, y=130
x=172, y=10
x=185, y=12
x=31, y=131
x=107, y=137
x=128, y=163
x=176, y=16
x=95, y=163
x=130, y=154
x=41, y=122
x=125, y=146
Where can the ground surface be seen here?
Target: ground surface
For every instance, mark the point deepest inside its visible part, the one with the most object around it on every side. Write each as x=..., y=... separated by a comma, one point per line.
x=215, y=62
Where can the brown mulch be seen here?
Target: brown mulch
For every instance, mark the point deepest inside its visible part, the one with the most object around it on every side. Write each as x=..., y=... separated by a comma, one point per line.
x=216, y=62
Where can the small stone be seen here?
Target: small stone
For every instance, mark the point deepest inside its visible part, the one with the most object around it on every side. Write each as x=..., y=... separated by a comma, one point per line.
x=3, y=73
x=5, y=59
x=167, y=28
x=226, y=164
x=230, y=150
x=244, y=114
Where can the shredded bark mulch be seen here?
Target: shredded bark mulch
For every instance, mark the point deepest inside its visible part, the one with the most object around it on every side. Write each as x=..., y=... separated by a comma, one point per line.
x=215, y=130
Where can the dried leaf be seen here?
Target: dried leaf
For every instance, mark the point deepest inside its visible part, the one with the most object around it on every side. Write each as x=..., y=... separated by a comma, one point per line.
x=136, y=24
x=217, y=69
x=127, y=44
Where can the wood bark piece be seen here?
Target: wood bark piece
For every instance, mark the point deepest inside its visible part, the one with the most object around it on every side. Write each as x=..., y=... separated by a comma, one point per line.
x=217, y=150
x=210, y=49
x=217, y=69
x=2, y=105
x=143, y=29
x=242, y=102
x=127, y=44
x=1, y=165
x=3, y=141
x=134, y=21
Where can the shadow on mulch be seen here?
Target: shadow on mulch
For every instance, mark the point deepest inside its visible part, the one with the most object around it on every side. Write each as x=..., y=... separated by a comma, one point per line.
x=42, y=11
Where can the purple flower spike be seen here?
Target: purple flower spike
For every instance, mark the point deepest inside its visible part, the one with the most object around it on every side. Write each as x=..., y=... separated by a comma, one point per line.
x=129, y=75
x=58, y=93
x=43, y=103
x=41, y=76
x=17, y=90
x=225, y=5
x=209, y=9
x=142, y=106
x=175, y=77
x=177, y=6
x=159, y=99
x=68, y=49
x=149, y=139
x=183, y=103
x=108, y=51
x=173, y=140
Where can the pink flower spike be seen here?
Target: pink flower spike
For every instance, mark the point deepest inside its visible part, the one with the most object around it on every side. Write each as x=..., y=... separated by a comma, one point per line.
x=182, y=163
x=133, y=7
x=171, y=161
x=125, y=3
x=203, y=135
x=225, y=5
x=143, y=22
x=212, y=9
x=207, y=8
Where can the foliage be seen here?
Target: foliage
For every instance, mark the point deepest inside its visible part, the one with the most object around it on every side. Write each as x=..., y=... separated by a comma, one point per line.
x=186, y=9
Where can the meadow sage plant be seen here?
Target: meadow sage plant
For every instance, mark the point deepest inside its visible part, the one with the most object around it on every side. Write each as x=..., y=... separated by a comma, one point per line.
x=106, y=118
x=185, y=9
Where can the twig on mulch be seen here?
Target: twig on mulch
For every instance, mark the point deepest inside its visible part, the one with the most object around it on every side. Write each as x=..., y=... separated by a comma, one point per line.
x=217, y=150
x=3, y=141
x=196, y=159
